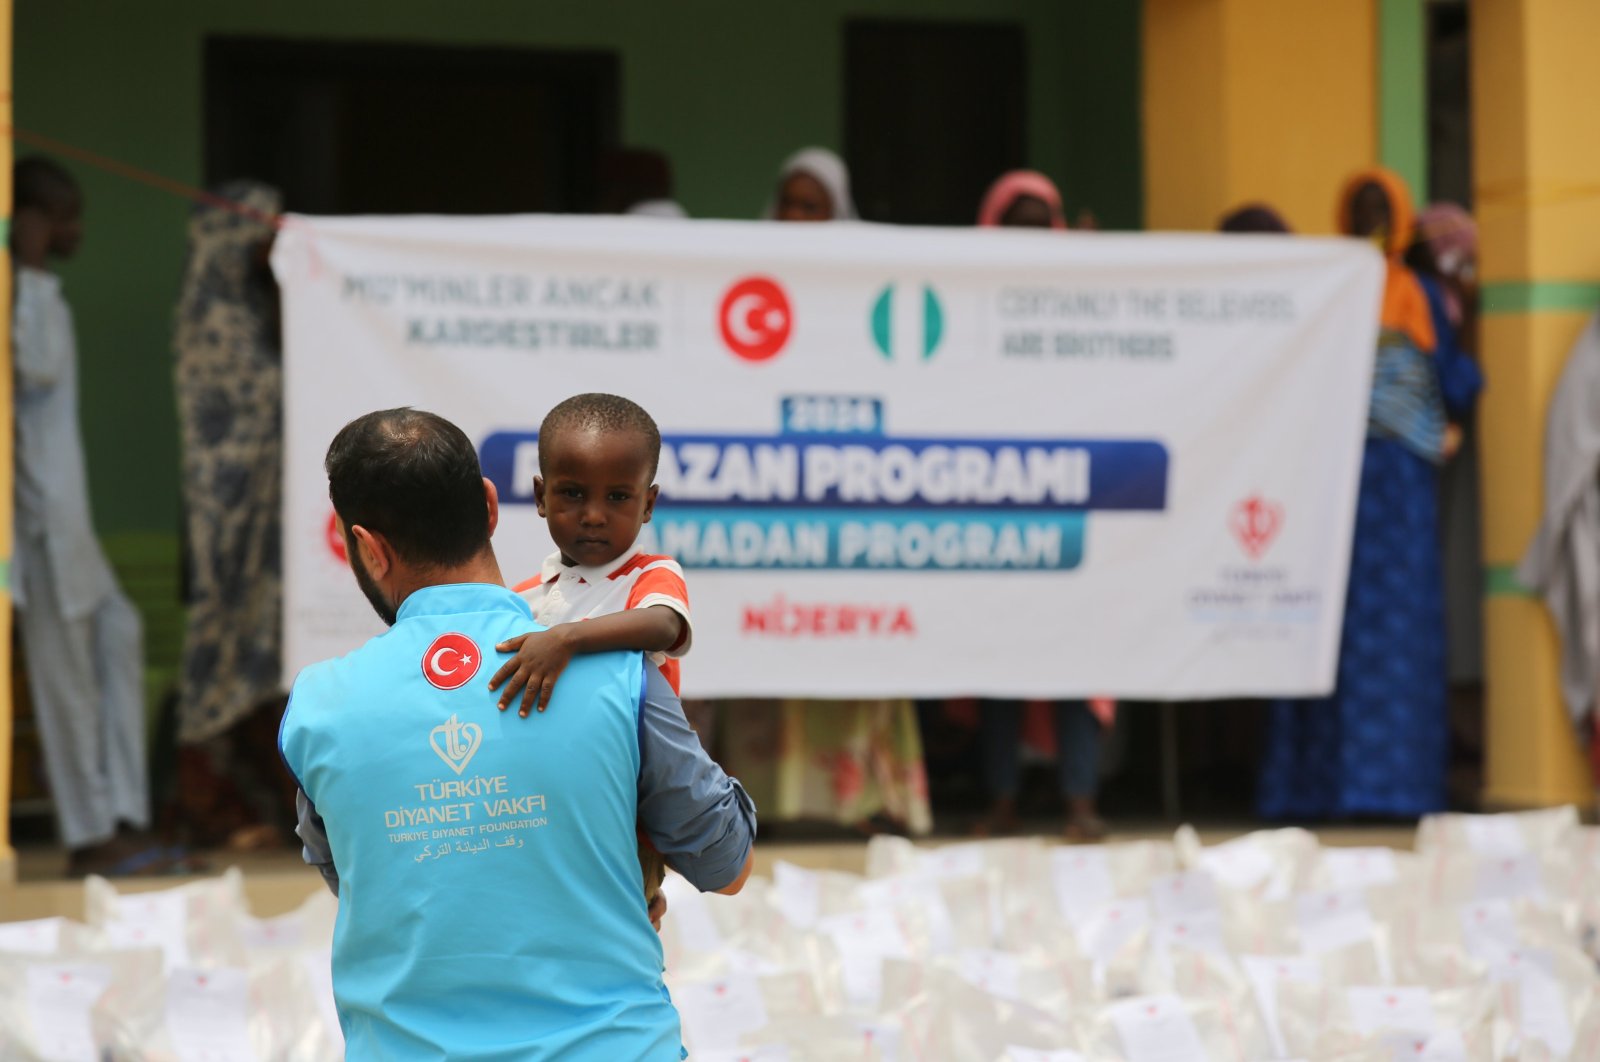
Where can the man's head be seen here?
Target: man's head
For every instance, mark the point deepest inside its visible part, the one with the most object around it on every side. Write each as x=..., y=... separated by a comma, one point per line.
x=412, y=501
x=48, y=198
x=597, y=468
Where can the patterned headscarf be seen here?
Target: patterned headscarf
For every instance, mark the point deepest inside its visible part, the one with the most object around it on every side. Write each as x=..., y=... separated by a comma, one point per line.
x=1452, y=236
x=225, y=297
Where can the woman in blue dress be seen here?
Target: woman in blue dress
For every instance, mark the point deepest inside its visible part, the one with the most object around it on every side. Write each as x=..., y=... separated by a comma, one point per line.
x=1378, y=745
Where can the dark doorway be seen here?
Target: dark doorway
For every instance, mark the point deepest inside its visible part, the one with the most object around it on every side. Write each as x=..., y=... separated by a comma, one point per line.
x=352, y=128
x=934, y=111
x=1449, y=104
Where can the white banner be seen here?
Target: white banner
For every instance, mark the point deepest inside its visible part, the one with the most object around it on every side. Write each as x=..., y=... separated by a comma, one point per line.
x=897, y=461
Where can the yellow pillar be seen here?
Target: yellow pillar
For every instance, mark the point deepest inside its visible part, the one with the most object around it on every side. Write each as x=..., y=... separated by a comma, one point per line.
x=8, y=857
x=1256, y=100
x=1536, y=165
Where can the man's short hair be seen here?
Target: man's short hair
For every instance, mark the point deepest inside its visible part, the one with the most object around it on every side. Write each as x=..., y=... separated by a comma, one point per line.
x=412, y=477
x=603, y=413
x=40, y=182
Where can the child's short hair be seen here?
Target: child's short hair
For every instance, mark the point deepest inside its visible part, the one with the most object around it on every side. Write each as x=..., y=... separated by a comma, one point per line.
x=41, y=182
x=604, y=413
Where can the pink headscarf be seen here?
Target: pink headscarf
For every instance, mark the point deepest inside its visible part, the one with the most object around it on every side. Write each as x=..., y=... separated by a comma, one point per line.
x=1013, y=186
x=1452, y=236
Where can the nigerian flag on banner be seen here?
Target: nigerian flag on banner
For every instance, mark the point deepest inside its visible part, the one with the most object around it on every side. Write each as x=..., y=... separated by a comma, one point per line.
x=907, y=321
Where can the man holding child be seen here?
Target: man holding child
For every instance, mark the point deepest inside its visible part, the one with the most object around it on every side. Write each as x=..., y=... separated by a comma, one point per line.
x=501, y=916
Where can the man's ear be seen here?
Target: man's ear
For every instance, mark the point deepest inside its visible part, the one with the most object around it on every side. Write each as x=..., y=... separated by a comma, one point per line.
x=491, y=497
x=538, y=494
x=377, y=556
x=650, y=502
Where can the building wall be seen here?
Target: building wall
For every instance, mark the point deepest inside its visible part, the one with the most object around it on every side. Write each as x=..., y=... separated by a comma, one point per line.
x=1256, y=101
x=727, y=93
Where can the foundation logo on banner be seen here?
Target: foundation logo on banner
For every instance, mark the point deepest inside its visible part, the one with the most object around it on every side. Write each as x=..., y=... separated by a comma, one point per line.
x=1255, y=522
x=907, y=322
x=755, y=319
x=451, y=661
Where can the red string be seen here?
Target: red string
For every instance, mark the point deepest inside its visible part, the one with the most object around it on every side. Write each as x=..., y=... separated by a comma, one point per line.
x=135, y=173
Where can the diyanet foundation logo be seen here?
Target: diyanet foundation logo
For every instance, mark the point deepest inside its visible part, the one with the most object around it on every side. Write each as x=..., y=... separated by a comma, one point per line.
x=460, y=742
x=1255, y=523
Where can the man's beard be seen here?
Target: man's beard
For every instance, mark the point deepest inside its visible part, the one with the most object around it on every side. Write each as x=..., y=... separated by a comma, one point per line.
x=369, y=586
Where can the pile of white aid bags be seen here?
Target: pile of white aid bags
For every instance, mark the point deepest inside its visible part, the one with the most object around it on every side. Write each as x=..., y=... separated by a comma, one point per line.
x=181, y=974
x=1480, y=946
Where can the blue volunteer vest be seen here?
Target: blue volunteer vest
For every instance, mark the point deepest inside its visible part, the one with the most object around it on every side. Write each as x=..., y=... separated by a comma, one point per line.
x=490, y=904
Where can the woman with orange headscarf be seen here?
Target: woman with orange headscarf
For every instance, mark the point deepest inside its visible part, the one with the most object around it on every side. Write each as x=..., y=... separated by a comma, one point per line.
x=1378, y=745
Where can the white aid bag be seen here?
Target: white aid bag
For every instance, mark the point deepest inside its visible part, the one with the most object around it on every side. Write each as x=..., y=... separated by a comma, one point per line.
x=1541, y=997
x=1017, y=1053
x=1164, y=1028
x=1194, y=914
x=219, y=1014
x=692, y=926
x=947, y=913
x=1550, y=879
x=308, y=928
x=1319, y=1021
x=768, y=1053
x=1036, y=980
x=193, y=925
x=1267, y=864
x=1347, y=869
x=315, y=969
x=889, y=857
x=856, y=945
x=823, y=1038
x=47, y=1002
x=46, y=936
x=1348, y=923
x=948, y=1017
x=801, y=896
x=726, y=1013
x=1487, y=836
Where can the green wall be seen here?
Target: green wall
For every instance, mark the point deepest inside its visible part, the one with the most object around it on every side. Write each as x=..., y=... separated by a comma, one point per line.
x=726, y=88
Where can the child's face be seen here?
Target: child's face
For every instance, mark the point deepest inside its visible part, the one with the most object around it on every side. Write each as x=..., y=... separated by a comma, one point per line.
x=595, y=492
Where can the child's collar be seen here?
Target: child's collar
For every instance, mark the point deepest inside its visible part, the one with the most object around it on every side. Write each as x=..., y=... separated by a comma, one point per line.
x=554, y=569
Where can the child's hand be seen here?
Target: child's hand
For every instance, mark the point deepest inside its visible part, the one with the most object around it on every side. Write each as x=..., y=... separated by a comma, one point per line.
x=1453, y=436
x=541, y=657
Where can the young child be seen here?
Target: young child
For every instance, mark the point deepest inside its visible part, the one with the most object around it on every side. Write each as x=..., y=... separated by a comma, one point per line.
x=597, y=463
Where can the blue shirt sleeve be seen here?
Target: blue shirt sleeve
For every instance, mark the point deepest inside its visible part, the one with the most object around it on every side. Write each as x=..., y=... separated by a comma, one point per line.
x=314, y=836
x=701, y=820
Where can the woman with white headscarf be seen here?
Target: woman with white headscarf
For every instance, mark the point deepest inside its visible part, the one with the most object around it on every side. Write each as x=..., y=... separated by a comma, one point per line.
x=813, y=185
x=859, y=762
